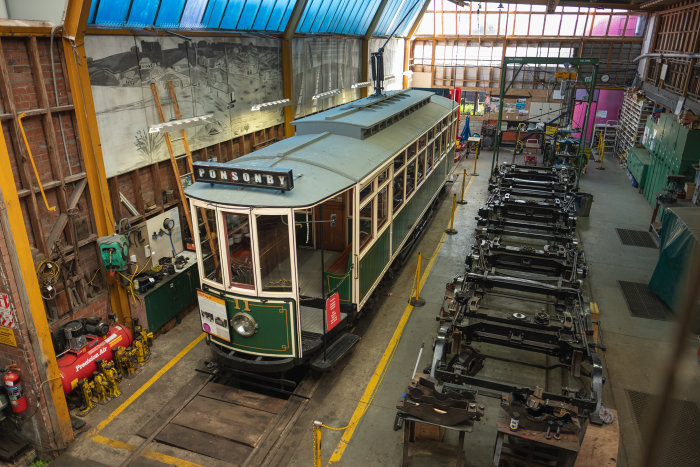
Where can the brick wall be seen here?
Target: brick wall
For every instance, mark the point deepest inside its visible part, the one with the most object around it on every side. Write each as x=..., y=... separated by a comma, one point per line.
x=35, y=423
x=55, y=148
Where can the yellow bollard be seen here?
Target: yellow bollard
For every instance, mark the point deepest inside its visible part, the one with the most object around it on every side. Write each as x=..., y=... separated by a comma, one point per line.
x=464, y=179
x=451, y=230
x=317, y=443
x=416, y=300
x=600, y=155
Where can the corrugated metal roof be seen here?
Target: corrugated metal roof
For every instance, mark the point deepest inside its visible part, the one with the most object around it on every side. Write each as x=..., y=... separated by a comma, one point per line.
x=323, y=164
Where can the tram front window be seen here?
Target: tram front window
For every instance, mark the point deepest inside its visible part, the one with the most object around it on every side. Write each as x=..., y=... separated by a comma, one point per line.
x=275, y=256
x=240, y=254
x=208, y=244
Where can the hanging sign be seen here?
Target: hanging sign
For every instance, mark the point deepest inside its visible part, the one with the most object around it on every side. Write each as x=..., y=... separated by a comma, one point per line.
x=255, y=177
x=332, y=311
x=7, y=336
x=6, y=318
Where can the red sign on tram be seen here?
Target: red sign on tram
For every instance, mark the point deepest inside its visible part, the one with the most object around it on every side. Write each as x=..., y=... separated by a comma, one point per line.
x=332, y=311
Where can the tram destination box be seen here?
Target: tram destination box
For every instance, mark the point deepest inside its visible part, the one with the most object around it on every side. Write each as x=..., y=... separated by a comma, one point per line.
x=246, y=176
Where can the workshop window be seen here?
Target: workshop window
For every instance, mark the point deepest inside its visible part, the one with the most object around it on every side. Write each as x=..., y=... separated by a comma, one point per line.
x=240, y=250
x=273, y=253
x=209, y=245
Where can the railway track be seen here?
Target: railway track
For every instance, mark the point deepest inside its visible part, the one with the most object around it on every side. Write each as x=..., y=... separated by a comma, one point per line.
x=225, y=420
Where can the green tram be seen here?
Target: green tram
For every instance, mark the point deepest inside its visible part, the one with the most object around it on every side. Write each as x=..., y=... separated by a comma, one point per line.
x=294, y=238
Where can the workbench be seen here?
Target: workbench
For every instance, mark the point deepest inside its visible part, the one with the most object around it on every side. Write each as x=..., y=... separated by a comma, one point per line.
x=169, y=297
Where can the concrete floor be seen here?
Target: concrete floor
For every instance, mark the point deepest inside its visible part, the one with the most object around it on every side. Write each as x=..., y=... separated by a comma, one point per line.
x=637, y=348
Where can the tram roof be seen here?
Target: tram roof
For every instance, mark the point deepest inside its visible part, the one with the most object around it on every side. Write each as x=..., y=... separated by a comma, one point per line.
x=324, y=164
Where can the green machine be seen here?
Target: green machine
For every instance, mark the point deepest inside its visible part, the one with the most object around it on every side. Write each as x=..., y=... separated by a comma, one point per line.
x=673, y=149
x=115, y=252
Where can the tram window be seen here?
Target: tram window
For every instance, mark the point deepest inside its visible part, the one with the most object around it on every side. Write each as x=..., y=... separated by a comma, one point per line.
x=444, y=141
x=421, y=142
x=382, y=207
x=398, y=189
x=210, y=258
x=240, y=254
x=366, y=225
x=431, y=134
x=429, y=157
x=411, y=151
x=421, y=168
x=410, y=178
x=399, y=161
x=437, y=148
x=366, y=191
x=383, y=175
x=273, y=248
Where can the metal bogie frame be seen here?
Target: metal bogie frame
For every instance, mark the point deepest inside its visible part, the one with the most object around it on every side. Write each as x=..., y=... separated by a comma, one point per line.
x=519, y=296
x=522, y=61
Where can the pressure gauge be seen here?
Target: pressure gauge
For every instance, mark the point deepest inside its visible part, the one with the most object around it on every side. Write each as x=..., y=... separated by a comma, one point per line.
x=605, y=78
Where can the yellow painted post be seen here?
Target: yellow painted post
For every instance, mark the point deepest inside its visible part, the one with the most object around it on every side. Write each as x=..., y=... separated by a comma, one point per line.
x=416, y=300
x=601, y=153
x=317, y=443
x=476, y=157
x=33, y=306
x=451, y=230
x=464, y=179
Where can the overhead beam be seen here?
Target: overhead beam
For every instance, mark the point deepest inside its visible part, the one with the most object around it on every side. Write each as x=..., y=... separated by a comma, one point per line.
x=287, y=68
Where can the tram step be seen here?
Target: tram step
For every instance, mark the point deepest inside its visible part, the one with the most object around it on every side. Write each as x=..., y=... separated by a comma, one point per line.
x=335, y=352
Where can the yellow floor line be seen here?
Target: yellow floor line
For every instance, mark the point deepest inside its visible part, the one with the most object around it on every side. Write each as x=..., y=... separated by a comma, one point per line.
x=143, y=388
x=379, y=370
x=158, y=456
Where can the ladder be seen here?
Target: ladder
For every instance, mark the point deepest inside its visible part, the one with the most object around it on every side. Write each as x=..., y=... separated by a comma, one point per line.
x=178, y=177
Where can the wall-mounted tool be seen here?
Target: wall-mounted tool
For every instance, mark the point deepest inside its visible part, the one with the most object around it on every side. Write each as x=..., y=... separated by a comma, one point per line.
x=115, y=252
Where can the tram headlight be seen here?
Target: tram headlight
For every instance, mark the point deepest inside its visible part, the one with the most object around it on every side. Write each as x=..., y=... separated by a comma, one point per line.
x=244, y=324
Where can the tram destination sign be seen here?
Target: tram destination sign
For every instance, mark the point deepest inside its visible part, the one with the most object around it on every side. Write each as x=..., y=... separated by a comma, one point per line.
x=221, y=173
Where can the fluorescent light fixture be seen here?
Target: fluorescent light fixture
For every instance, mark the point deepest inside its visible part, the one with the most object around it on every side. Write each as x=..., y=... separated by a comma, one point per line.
x=363, y=84
x=324, y=95
x=389, y=78
x=180, y=124
x=270, y=105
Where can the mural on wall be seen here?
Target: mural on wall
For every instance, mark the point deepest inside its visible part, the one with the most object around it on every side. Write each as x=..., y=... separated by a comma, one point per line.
x=223, y=75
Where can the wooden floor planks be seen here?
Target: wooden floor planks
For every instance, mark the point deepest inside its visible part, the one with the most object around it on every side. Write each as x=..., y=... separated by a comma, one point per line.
x=204, y=443
x=242, y=397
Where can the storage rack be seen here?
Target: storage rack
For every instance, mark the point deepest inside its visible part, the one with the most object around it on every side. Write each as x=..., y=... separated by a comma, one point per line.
x=633, y=116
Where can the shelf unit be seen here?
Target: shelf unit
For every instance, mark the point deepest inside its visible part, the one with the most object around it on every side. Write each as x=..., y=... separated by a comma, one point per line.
x=633, y=116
